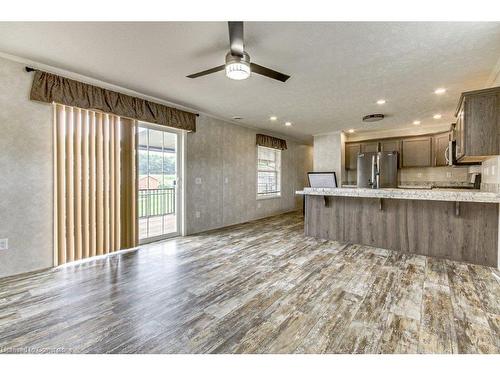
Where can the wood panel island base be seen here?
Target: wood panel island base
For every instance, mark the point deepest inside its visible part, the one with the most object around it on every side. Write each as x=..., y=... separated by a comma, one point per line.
x=443, y=224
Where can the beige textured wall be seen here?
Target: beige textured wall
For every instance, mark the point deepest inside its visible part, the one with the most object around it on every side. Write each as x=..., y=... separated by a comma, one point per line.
x=495, y=76
x=25, y=174
x=329, y=153
x=223, y=156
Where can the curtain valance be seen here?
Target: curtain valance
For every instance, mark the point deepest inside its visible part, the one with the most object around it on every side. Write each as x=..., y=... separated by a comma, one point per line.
x=48, y=87
x=271, y=142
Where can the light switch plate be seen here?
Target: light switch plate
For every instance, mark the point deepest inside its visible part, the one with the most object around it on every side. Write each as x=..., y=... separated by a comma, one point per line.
x=4, y=244
x=197, y=214
x=197, y=180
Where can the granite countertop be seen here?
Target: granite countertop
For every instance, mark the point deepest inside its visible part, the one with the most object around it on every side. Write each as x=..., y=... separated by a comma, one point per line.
x=454, y=195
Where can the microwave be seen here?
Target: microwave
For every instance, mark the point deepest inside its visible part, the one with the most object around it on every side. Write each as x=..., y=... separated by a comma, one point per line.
x=451, y=156
x=451, y=153
x=451, y=150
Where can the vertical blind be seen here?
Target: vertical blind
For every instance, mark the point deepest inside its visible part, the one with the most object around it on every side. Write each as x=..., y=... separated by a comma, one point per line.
x=95, y=183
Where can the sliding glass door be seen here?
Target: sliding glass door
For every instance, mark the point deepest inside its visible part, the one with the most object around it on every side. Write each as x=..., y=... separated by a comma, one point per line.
x=158, y=193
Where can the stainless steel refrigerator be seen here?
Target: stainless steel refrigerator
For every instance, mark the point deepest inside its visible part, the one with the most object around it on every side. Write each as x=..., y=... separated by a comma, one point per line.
x=378, y=170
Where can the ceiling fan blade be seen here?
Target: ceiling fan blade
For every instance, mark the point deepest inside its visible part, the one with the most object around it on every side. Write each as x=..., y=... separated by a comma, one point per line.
x=208, y=71
x=262, y=70
x=236, y=38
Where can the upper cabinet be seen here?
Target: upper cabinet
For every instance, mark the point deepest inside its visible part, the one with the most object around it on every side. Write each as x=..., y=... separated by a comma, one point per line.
x=369, y=146
x=351, y=155
x=390, y=145
x=439, y=147
x=459, y=134
x=478, y=125
x=416, y=152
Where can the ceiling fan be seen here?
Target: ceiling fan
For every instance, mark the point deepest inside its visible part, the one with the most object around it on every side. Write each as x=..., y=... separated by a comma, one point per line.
x=238, y=65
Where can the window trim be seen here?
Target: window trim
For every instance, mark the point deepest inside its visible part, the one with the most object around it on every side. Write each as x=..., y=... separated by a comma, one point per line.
x=278, y=171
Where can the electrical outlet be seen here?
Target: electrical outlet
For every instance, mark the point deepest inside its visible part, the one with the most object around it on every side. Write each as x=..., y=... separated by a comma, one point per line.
x=197, y=180
x=448, y=174
x=4, y=244
x=226, y=180
x=197, y=214
x=419, y=175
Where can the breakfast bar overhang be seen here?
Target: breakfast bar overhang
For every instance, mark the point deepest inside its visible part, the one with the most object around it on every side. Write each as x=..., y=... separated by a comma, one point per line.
x=451, y=224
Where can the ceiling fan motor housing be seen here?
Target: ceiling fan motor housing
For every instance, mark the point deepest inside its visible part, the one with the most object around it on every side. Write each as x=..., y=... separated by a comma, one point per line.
x=245, y=59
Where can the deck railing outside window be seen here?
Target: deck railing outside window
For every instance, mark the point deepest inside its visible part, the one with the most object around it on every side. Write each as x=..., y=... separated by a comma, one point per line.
x=156, y=202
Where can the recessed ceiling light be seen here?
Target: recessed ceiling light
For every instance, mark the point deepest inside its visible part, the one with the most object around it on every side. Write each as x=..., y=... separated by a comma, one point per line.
x=416, y=122
x=440, y=91
x=437, y=116
x=288, y=123
x=351, y=130
x=381, y=101
x=273, y=118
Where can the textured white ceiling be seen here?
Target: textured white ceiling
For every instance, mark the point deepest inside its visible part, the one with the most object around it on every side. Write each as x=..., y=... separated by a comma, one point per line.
x=338, y=70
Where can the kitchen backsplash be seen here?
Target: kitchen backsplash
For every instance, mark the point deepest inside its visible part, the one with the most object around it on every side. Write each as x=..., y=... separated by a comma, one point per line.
x=430, y=176
x=490, y=177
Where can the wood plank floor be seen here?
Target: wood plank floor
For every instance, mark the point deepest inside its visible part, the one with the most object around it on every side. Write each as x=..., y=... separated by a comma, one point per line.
x=260, y=287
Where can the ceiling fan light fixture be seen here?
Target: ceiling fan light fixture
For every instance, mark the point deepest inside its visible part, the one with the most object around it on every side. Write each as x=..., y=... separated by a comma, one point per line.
x=237, y=71
x=237, y=68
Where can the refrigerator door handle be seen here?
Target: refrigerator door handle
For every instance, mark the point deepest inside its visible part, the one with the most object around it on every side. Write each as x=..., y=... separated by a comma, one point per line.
x=372, y=183
x=377, y=174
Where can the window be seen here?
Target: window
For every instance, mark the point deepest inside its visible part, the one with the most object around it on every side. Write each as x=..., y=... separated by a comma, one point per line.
x=268, y=172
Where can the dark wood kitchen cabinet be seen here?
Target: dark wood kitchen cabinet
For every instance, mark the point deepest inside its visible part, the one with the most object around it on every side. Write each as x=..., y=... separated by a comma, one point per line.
x=416, y=152
x=459, y=135
x=478, y=125
x=351, y=155
x=390, y=145
x=440, y=144
x=369, y=146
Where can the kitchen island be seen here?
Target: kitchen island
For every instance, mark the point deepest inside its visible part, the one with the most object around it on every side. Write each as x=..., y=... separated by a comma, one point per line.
x=454, y=224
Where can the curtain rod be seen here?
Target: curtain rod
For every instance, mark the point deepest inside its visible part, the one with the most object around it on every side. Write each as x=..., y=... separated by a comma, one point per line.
x=29, y=69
